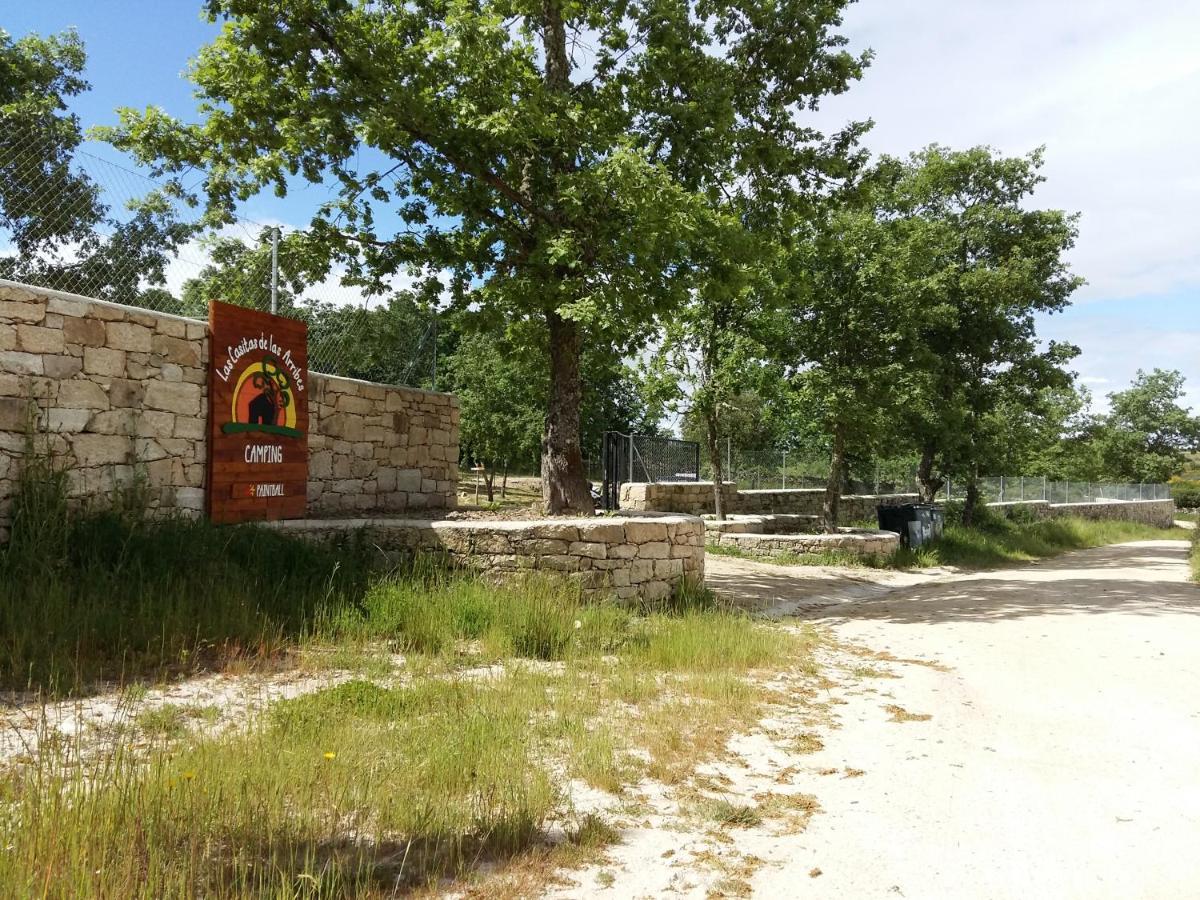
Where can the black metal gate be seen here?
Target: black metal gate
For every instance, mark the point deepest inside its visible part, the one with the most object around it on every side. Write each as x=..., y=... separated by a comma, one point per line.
x=644, y=458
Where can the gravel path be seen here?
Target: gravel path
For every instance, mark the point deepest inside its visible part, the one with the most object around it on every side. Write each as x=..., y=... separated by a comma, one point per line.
x=1062, y=756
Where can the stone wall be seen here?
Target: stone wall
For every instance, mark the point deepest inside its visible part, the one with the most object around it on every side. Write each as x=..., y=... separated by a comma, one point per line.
x=852, y=541
x=696, y=498
x=1160, y=513
x=626, y=557
x=689, y=498
x=811, y=502
x=117, y=391
x=120, y=392
x=380, y=449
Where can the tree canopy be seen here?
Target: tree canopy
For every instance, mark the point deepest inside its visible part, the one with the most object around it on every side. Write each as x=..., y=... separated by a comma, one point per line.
x=484, y=144
x=64, y=234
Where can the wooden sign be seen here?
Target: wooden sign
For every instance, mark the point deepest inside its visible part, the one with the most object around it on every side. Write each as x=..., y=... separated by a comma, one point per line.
x=257, y=415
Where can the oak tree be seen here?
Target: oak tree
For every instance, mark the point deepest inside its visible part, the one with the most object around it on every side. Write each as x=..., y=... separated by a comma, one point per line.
x=547, y=159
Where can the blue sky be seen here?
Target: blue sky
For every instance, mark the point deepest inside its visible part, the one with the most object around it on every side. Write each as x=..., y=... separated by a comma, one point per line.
x=1110, y=88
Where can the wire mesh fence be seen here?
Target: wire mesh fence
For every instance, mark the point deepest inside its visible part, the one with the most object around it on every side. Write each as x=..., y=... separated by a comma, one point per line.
x=809, y=468
x=1014, y=489
x=76, y=222
x=797, y=468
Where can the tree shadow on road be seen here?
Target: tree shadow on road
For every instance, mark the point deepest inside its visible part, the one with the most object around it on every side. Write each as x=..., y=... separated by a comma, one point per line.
x=1143, y=579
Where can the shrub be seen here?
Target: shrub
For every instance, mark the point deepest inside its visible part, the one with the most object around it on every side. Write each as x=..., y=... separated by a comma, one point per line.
x=1186, y=494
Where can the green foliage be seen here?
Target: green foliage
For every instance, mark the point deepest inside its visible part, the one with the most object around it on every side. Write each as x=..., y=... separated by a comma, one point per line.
x=1196, y=553
x=1147, y=435
x=502, y=397
x=1186, y=494
x=431, y=614
x=574, y=200
x=64, y=235
x=102, y=593
x=985, y=266
x=38, y=78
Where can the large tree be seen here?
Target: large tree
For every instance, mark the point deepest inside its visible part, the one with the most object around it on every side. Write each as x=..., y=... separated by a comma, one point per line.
x=64, y=234
x=550, y=158
x=716, y=348
x=991, y=264
x=1147, y=435
x=856, y=315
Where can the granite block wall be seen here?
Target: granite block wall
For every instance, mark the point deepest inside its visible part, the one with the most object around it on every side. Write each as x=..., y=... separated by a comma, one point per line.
x=630, y=558
x=121, y=394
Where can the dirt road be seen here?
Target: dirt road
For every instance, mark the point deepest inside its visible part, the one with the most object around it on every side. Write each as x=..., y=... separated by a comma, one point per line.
x=1062, y=756
x=1032, y=733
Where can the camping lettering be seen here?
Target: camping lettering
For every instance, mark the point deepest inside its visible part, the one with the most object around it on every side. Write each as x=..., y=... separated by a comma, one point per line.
x=258, y=415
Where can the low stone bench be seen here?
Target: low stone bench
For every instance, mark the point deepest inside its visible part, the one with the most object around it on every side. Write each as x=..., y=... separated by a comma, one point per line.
x=764, y=524
x=861, y=542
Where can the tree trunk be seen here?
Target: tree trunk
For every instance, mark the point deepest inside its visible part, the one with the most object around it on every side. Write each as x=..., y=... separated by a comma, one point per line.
x=928, y=484
x=564, y=482
x=833, y=486
x=504, y=482
x=489, y=482
x=971, y=504
x=712, y=433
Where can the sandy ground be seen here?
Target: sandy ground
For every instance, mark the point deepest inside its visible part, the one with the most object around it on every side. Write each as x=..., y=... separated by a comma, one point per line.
x=96, y=720
x=1054, y=752
x=1027, y=733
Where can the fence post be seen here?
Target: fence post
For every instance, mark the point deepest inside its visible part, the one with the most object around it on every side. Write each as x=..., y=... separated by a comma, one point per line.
x=631, y=459
x=729, y=458
x=1001, y=488
x=433, y=372
x=785, y=470
x=1043, y=487
x=275, y=270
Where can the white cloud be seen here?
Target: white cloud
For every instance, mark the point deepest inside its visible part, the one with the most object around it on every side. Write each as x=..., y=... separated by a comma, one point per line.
x=1113, y=349
x=1109, y=87
x=194, y=256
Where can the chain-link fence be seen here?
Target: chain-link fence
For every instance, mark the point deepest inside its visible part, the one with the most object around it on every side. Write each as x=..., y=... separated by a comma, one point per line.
x=76, y=222
x=1012, y=489
x=809, y=468
x=800, y=468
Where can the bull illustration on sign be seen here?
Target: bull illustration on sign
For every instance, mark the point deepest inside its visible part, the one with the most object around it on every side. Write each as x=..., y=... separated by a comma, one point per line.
x=268, y=408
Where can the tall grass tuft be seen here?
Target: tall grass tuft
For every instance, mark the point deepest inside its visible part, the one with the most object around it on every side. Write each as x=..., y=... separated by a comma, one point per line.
x=99, y=593
x=354, y=791
x=434, y=610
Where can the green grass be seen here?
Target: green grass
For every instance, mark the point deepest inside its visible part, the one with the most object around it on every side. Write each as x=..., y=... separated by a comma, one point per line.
x=996, y=543
x=1196, y=554
x=365, y=788
x=107, y=594
x=416, y=772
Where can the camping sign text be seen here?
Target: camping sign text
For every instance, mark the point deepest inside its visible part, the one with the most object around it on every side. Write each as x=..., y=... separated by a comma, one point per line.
x=257, y=414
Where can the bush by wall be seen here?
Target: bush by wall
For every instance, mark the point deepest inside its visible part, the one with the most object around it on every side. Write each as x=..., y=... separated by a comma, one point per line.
x=1186, y=494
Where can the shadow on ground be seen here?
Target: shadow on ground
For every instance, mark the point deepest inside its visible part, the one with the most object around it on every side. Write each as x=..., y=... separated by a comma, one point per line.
x=1147, y=578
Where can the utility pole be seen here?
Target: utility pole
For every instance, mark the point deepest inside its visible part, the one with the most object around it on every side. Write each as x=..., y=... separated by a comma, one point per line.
x=275, y=270
x=433, y=382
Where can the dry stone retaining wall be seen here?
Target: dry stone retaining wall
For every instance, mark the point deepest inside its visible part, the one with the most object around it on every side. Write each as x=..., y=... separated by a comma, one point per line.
x=121, y=393
x=380, y=449
x=627, y=557
x=1160, y=513
x=861, y=542
x=696, y=498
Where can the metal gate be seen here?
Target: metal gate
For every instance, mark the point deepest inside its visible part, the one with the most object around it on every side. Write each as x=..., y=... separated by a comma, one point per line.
x=644, y=458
